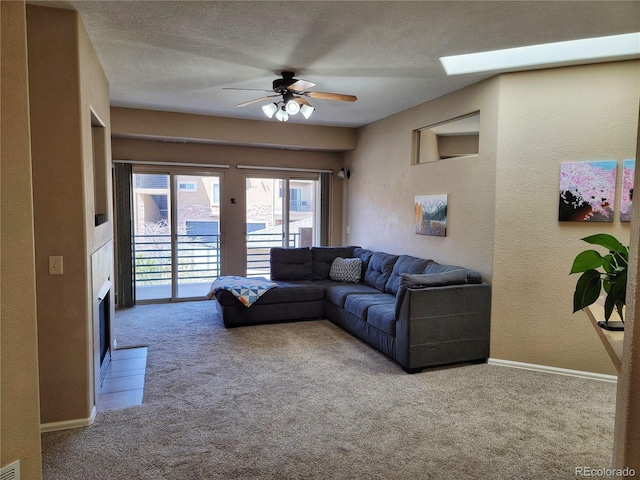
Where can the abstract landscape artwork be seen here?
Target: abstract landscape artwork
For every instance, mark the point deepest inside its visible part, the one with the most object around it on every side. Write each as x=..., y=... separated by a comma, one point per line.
x=628, y=172
x=587, y=191
x=430, y=215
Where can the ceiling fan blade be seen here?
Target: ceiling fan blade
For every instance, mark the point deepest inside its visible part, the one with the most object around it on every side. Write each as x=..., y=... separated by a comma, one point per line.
x=332, y=96
x=301, y=85
x=251, y=102
x=247, y=89
x=302, y=101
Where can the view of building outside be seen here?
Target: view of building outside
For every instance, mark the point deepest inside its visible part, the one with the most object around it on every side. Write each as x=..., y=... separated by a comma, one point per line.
x=198, y=228
x=197, y=233
x=265, y=198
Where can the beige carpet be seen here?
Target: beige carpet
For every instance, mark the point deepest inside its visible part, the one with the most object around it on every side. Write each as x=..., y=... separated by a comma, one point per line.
x=309, y=401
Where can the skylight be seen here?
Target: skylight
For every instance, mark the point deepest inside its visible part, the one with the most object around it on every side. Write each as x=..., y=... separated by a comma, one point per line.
x=573, y=52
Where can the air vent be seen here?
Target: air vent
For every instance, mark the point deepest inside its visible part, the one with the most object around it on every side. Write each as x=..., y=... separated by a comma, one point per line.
x=11, y=471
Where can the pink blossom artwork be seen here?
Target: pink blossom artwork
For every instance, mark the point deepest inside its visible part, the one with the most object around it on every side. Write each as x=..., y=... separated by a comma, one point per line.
x=628, y=172
x=587, y=191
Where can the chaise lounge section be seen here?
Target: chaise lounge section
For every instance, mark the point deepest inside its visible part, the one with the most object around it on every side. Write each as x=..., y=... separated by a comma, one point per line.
x=416, y=311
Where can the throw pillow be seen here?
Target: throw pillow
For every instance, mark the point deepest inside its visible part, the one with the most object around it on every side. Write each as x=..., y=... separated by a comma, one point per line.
x=345, y=270
x=452, y=277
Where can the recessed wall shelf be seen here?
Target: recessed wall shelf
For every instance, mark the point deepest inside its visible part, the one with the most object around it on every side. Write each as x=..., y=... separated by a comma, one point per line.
x=458, y=137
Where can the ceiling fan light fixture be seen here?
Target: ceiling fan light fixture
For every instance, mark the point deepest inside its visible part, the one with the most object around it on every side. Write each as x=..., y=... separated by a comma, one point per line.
x=292, y=107
x=306, y=110
x=270, y=109
x=282, y=115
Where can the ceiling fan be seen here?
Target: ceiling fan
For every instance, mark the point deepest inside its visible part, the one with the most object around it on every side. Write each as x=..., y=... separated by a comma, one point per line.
x=292, y=92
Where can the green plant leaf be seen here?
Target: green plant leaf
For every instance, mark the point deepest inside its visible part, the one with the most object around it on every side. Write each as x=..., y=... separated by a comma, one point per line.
x=587, y=260
x=616, y=297
x=587, y=290
x=605, y=240
x=621, y=258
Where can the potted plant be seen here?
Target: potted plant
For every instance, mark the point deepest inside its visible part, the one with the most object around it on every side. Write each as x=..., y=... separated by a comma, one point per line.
x=612, y=278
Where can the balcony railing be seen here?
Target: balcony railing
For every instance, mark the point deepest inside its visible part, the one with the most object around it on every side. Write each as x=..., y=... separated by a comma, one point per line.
x=198, y=258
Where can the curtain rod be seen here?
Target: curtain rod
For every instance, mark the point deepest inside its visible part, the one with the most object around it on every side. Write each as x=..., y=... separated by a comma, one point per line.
x=172, y=164
x=287, y=169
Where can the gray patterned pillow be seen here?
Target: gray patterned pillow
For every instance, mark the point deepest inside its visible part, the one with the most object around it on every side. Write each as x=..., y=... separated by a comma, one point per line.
x=346, y=270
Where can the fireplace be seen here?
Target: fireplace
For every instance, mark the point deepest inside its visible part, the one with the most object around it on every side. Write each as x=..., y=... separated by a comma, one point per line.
x=103, y=315
x=104, y=322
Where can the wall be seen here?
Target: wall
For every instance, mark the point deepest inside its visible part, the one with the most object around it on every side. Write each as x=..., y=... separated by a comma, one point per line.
x=65, y=83
x=503, y=204
x=19, y=411
x=547, y=117
x=380, y=194
x=233, y=179
x=187, y=127
x=626, y=451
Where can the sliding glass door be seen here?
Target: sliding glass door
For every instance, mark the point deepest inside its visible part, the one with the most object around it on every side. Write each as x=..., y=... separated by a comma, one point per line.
x=176, y=240
x=280, y=212
x=197, y=236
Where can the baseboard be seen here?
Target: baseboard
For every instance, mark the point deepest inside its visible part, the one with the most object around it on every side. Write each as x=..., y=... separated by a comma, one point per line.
x=67, y=424
x=558, y=371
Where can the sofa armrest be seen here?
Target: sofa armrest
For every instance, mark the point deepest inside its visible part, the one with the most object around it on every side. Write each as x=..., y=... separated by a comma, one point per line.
x=441, y=325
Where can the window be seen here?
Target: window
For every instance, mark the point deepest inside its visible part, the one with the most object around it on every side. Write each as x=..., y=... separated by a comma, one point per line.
x=295, y=199
x=215, y=193
x=187, y=186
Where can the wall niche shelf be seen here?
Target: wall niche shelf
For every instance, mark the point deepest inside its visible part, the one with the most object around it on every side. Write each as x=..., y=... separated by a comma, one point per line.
x=458, y=137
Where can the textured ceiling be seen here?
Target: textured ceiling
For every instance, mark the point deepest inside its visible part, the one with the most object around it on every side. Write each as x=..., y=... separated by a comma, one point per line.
x=178, y=56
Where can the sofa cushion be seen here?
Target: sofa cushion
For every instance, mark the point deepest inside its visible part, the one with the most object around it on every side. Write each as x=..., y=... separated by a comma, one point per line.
x=364, y=255
x=379, y=270
x=346, y=270
x=323, y=257
x=451, y=277
x=337, y=293
x=383, y=317
x=472, y=275
x=359, y=304
x=291, y=264
x=404, y=264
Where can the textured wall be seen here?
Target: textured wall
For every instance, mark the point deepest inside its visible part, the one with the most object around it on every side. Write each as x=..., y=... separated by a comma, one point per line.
x=230, y=131
x=20, y=414
x=547, y=117
x=65, y=82
x=626, y=449
x=383, y=184
x=503, y=205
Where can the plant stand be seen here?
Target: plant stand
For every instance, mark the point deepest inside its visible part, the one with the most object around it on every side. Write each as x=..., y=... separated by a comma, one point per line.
x=611, y=339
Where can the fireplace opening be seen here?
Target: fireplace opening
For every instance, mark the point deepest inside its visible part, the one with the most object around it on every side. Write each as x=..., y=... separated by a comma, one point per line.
x=105, y=329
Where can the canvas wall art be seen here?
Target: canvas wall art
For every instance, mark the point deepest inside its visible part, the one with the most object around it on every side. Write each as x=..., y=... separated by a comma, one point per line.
x=587, y=191
x=430, y=215
x=628, y=173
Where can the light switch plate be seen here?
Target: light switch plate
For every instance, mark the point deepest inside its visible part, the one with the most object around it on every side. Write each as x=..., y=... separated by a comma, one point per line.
x=55, y=265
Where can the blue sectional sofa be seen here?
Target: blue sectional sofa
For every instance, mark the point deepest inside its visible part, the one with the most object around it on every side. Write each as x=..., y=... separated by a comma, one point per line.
x=416, y=311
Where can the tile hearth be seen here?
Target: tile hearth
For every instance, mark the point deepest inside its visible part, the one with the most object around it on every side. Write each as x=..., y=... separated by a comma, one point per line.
x=123, y=385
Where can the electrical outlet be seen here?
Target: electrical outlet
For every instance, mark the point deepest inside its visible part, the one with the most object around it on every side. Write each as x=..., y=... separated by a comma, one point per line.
x=55, y=265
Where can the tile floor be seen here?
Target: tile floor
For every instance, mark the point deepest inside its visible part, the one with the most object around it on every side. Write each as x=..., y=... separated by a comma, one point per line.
x=123, y=384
